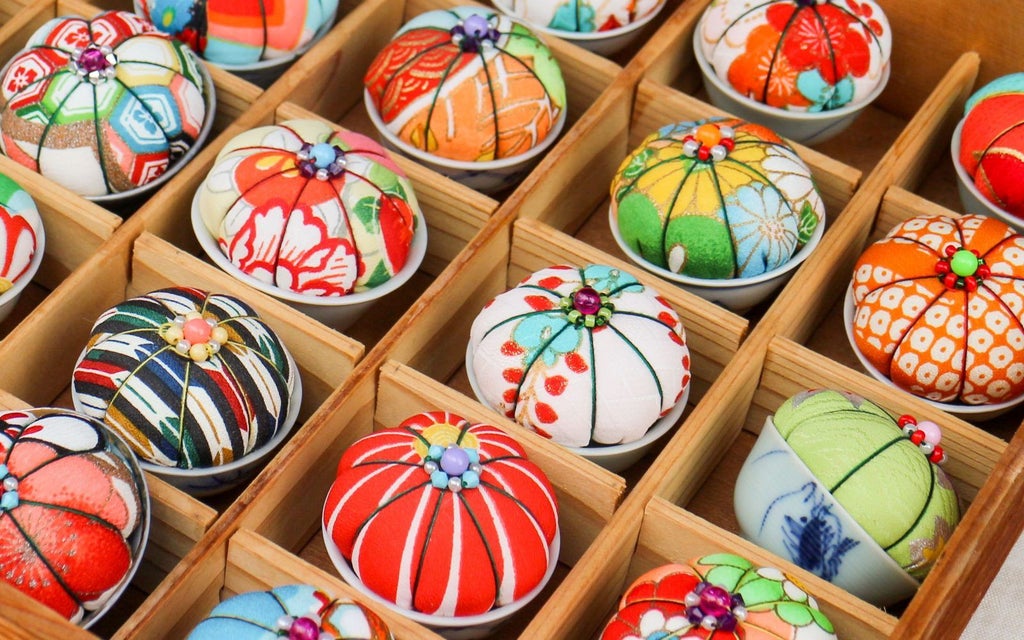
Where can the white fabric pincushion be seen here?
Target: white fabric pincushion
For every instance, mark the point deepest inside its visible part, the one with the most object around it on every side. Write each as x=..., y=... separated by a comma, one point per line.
x=583, y=356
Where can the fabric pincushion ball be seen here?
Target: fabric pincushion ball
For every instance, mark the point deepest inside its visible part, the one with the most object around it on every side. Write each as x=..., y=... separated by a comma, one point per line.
x=720, y=596
x=938, y=306
x=443, y=517
x=303, y=208
x=710, y=201
x=74, y=511
x=195, y=382
x=467, y=90
x=991, y=142
x=584, y=356
x=104, y=106
x=798, y=55
x=292, y=612
x=22, y=242
x=581, y=16
x=844, y=489
x=236, y=33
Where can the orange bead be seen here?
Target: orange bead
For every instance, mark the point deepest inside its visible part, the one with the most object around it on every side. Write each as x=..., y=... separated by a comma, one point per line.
x=708, y=134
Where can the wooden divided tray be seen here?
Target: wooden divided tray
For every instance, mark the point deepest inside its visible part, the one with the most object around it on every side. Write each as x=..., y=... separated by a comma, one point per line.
x=407, y=353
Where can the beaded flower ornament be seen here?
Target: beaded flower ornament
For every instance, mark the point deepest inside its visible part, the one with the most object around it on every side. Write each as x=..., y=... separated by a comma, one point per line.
x=715, y=199
x=442, y=516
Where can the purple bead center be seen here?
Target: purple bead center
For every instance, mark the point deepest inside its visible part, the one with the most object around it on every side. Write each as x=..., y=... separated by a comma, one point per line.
x=92, y=59
x=476, y=26
x=470, y=33
x=454, y=461
x=715, y=601
x=587, y=301
x=304, y=629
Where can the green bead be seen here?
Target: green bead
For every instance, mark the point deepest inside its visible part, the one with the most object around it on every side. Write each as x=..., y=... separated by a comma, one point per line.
x=964, y=263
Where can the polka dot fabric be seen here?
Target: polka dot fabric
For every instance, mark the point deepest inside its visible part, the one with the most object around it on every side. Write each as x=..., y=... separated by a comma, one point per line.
x=941, y=334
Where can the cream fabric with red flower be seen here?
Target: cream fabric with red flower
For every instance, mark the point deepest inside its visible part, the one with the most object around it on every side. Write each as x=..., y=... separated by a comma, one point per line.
x=310, y=209
x=582, y=356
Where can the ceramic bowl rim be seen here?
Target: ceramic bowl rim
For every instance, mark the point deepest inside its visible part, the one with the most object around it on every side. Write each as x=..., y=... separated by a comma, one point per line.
x=708, y=71
x=417, y=252
x=462, y=165
x=795, y=261
x=967, y=182
x=253, y=457
x=493, y=616
x=955, y=408
x=599, y=452
x=591, y=36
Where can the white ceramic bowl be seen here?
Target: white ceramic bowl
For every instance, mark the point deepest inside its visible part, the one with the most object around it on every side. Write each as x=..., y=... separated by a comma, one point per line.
x=735, y=294
x=802, y=126
x=207, y=481
x=605, y=43
x=970, y=412
x=775, y=492
x=334, y=311
x=970, y=197
x=452, y=628
x=486, y=177
x=613, y=457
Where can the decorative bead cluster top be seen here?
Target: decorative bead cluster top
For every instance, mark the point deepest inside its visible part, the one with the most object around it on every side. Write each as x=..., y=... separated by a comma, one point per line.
x=194, y=336
x=453, y=467
x=321, y=161
x=304, y=627
x=96, y=63
x=962, y=268
x=709, y=142
x=714, y=608
x=474, y=33
x=8, y=489
x=587, y=307
x=926, y=435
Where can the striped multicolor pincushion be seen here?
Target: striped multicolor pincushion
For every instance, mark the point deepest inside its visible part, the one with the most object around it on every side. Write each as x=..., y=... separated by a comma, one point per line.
x=442, y=516
x=189, y=379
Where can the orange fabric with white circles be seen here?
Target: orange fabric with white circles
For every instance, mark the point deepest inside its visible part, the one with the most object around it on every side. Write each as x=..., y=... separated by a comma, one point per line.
x=948, y=345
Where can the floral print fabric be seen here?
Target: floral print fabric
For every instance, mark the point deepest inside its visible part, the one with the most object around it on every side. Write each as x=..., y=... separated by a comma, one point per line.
x=802, y=56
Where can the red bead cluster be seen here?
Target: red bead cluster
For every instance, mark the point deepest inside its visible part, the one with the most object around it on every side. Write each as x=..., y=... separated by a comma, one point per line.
x=927, y=442
x=953, y=280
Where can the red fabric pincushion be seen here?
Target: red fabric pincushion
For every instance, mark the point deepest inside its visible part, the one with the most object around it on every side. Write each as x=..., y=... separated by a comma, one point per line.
x=992, y=142
x=442, y=516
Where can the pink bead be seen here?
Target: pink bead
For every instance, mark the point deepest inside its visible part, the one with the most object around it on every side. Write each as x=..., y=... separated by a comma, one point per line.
x=304, y=629
x=587, y=301
x=715, y=601
x=197, y=331
x=932, y=432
